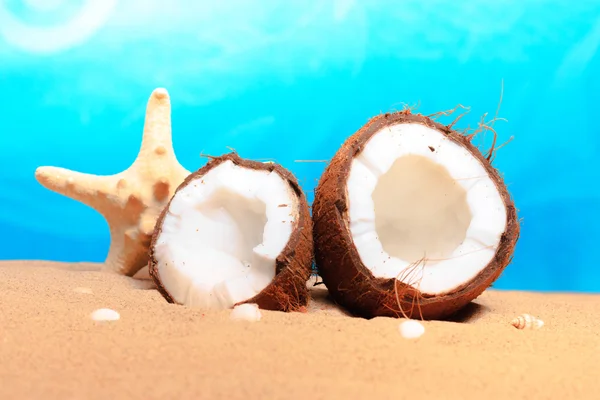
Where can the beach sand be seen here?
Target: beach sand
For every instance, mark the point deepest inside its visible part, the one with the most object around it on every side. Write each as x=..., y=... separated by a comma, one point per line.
x=50, y=348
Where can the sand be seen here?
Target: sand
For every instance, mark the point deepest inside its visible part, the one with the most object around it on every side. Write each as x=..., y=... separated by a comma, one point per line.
x=50, y=348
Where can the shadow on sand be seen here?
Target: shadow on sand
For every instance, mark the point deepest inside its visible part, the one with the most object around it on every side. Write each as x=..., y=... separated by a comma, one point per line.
x=469, y=314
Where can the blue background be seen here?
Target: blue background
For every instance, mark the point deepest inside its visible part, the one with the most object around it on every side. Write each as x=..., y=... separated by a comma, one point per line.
x=291, y=80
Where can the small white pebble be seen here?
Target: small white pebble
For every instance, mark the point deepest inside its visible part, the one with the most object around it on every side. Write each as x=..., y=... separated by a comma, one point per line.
x=83, y=290
x=105, y=314
x=246, y=312
x=411, y=329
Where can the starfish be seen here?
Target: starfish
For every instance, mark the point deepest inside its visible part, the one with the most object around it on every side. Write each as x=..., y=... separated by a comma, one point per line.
x=132, y=200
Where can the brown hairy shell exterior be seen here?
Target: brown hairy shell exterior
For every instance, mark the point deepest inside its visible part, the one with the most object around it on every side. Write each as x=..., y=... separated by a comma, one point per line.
x=349, y=281
x=287, y=291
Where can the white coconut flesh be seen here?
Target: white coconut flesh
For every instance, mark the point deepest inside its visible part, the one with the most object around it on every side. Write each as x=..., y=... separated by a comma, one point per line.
x=414, y=194
x=222, y=234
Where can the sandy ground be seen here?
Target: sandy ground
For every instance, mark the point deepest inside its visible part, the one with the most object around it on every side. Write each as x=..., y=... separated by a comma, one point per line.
x=51, y=349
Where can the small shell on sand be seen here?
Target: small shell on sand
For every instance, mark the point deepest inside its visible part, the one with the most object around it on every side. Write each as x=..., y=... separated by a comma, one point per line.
x=105, y=314
x=411, y=329
x=83, y=290
x=246, y=312
x=527, y=321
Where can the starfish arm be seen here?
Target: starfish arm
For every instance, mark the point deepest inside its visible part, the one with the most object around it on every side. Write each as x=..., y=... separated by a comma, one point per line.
x=156, y=157
x=182, y=171
x=157, y=139
x=92, y=190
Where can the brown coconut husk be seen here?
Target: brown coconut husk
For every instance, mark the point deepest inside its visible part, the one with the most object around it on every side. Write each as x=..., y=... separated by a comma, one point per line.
x=287, y=291
x=349, y=281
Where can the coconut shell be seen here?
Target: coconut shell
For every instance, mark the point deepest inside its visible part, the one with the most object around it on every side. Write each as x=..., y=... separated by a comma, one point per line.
x=350, y=282
x=287, y=291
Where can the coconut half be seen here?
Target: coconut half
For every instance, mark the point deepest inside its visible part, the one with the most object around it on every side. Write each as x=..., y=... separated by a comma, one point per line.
x=410, y=219
x=235, y=231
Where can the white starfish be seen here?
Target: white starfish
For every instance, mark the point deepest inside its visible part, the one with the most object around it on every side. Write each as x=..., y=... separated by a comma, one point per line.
x=132, y=200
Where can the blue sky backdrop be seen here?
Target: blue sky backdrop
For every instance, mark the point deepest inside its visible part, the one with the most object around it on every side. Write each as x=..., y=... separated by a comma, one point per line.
x=291, y=80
